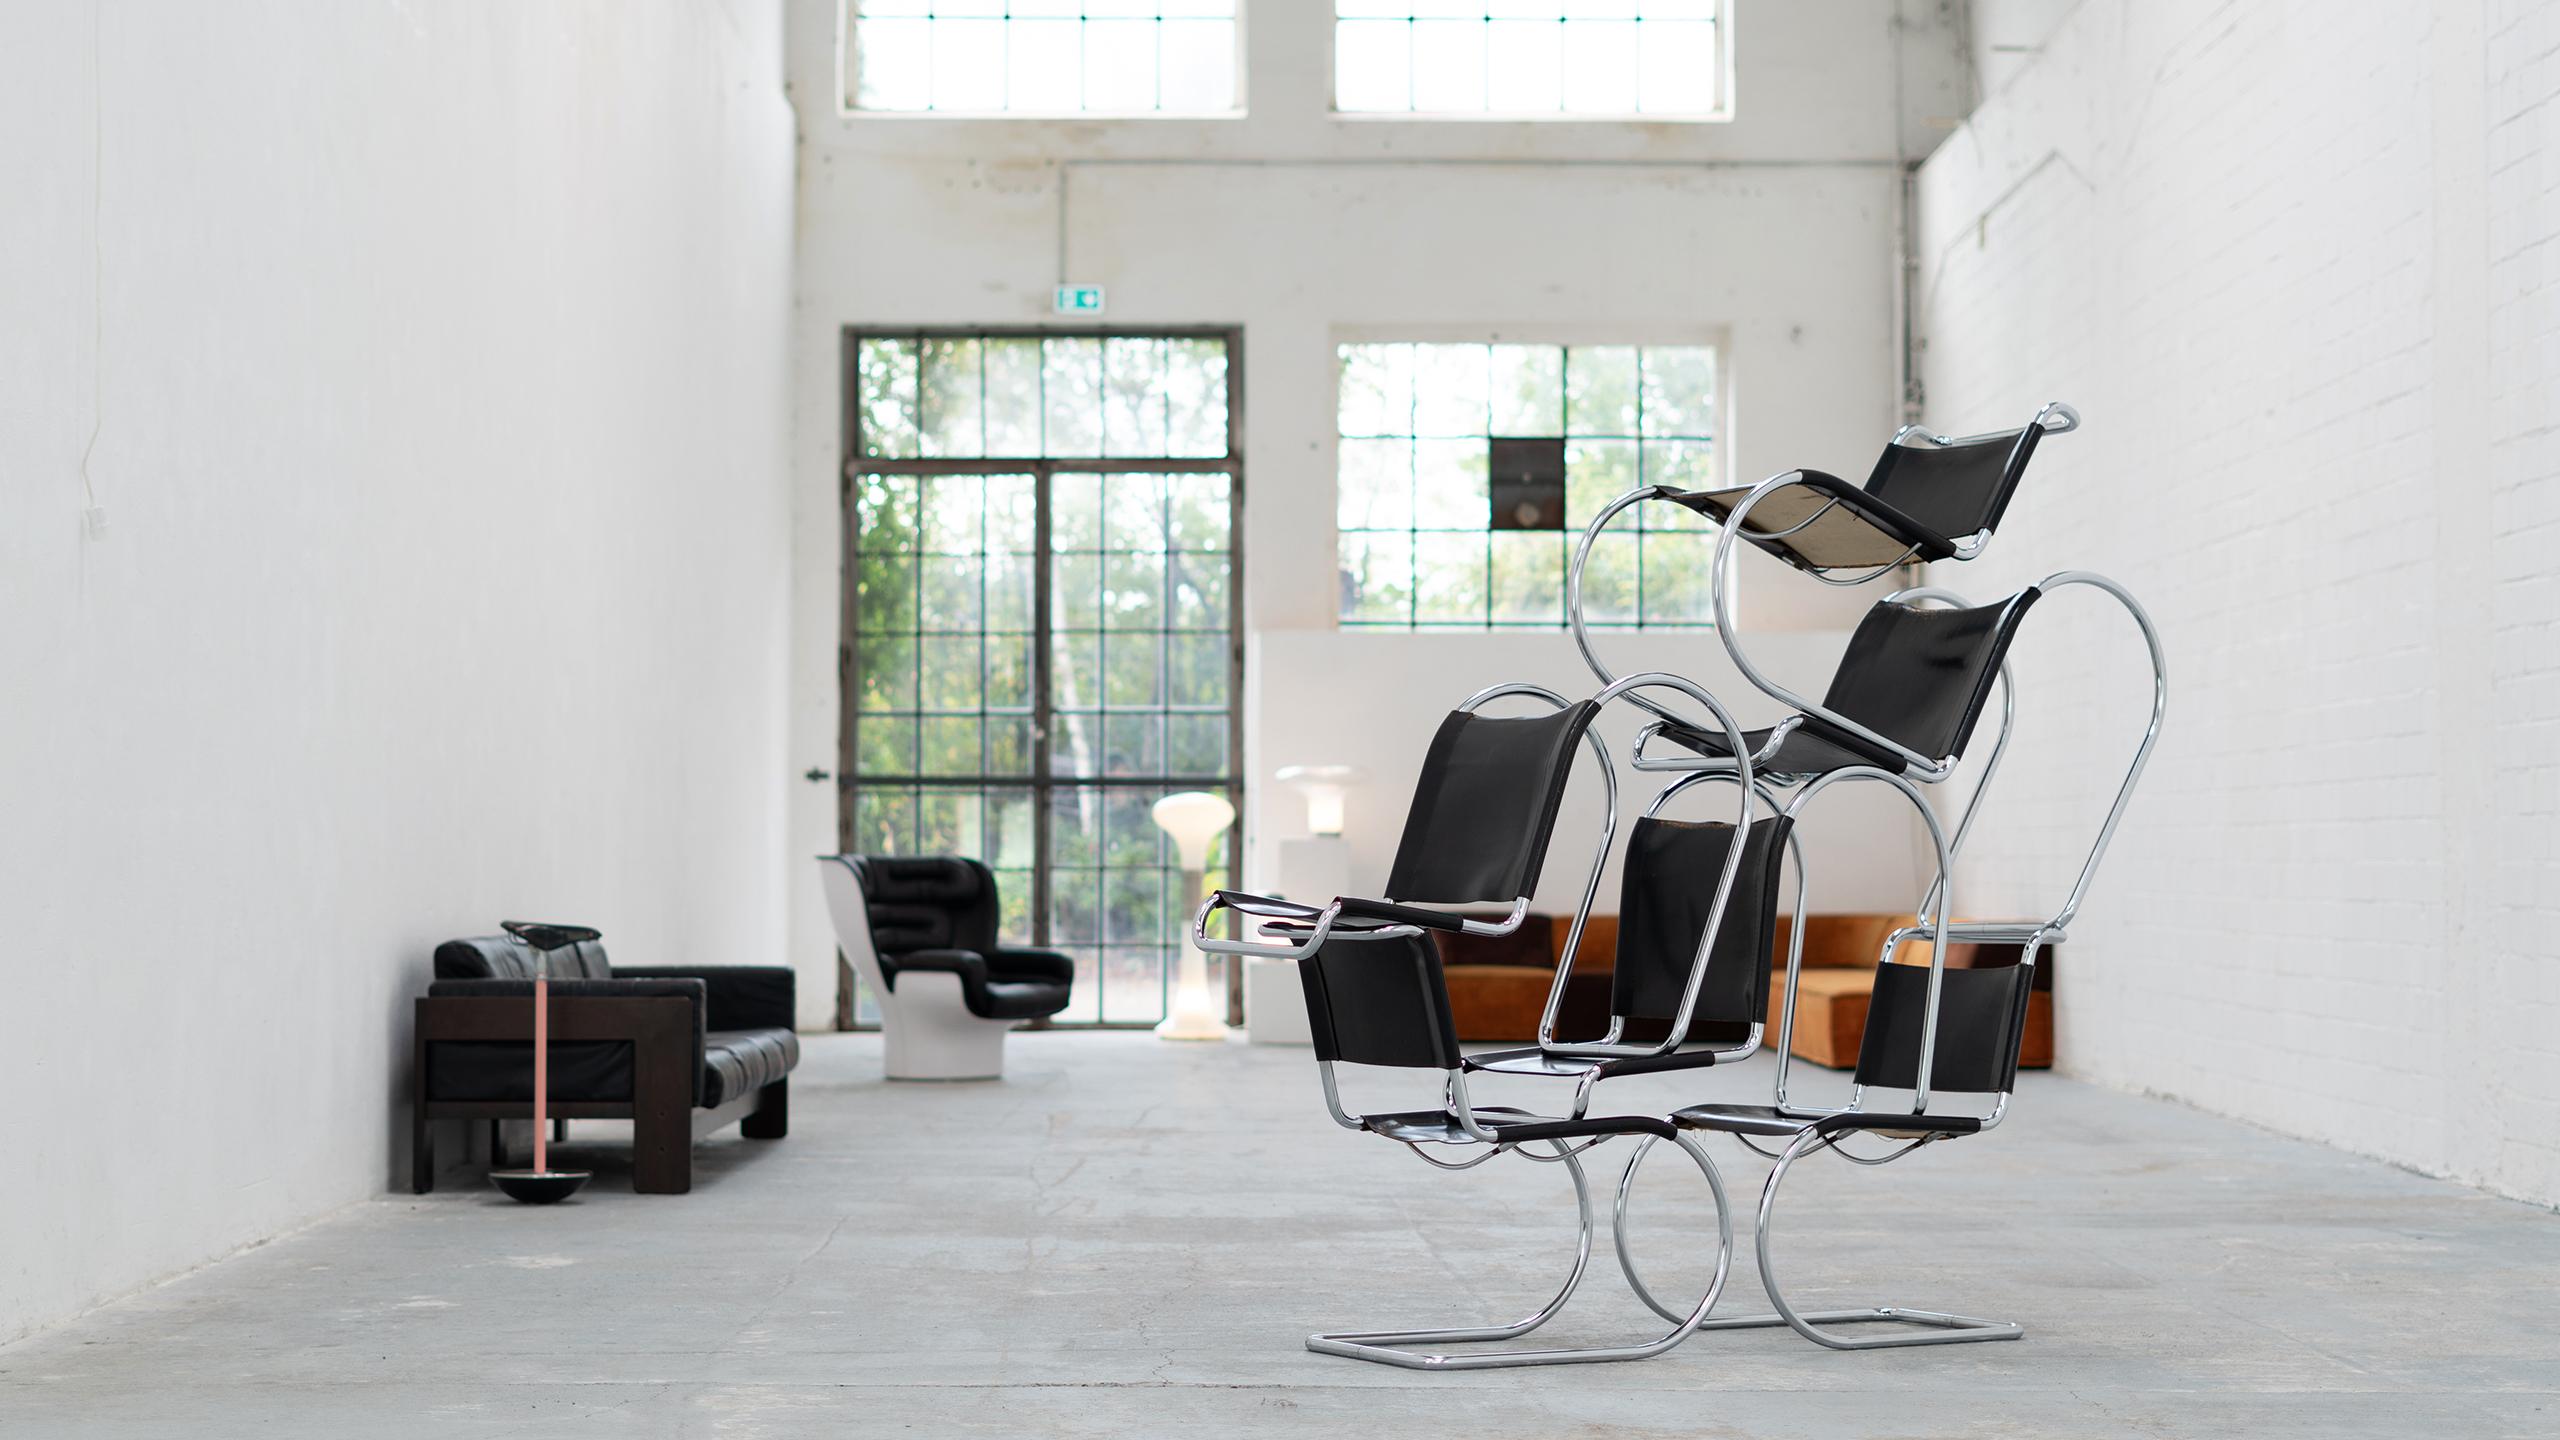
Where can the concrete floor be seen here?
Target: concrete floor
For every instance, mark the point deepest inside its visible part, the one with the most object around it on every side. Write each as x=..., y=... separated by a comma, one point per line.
x=1132, y=1238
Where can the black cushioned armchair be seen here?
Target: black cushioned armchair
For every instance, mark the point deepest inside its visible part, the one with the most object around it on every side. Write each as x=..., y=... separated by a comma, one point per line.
x=680, y=1051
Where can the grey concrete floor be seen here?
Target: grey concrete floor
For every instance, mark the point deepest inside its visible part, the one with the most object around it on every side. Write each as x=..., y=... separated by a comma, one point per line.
x=1133, y=1238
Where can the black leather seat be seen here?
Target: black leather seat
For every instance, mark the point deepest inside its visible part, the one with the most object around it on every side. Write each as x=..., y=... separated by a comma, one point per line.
x=939, y=912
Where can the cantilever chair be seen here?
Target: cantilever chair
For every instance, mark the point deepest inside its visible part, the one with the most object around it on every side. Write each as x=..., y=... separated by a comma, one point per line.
x=1930, y=1031
x=1483, y=811
x=921, y=931
x=1387, y=1004
x=1930, y=497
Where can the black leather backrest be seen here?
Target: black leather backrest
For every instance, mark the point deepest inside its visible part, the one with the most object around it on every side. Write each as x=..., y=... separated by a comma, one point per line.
x=1485, y=806
x=1982, y=1017
x=504, y=957
x=1921, y=675
x=1380, y=1002
x=927, y=902
x=1954, y=489
x=1671, y=871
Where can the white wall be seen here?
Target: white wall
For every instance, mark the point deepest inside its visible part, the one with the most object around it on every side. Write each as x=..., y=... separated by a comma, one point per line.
x=2294, y=263
x=434, y=359
x=1773, y=234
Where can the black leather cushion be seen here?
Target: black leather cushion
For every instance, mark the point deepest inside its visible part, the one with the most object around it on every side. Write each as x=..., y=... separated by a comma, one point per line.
x=1009, y=985
x=1485, y=806
x=504, y=957
x=735, y=997
x=927, y=902
x=740, y=1062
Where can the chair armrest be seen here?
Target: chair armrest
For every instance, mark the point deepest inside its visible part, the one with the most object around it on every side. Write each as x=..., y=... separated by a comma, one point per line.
x=502, y=1010
x=1403, y=914
x=969, y=965
x=1016, y=963
x=740, y=997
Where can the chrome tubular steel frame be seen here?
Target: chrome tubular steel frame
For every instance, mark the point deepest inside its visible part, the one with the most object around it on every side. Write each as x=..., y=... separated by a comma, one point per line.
x=1940, y=1328
x=1323, y=921
x=1419, y=1349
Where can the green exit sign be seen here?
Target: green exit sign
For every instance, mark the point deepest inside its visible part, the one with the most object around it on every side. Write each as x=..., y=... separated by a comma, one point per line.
x=1079, y=299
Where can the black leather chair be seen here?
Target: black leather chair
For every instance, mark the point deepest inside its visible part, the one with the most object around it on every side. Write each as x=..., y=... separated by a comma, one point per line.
x=921, y=931
x=1483, y=811
x=679, y=1051
x=1383, y=1001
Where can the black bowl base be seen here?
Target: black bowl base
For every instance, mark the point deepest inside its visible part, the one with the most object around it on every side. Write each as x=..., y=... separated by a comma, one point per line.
x=539, y=1187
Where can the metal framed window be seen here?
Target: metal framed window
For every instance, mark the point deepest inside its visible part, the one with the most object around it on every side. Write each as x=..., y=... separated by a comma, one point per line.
x=1042, y=57
x=1042, y=625
x=1534, y=59
x=1446, y=521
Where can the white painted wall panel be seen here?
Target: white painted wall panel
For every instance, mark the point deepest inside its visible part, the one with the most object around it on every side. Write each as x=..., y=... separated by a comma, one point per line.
x=434, y=359
x=2293, y=261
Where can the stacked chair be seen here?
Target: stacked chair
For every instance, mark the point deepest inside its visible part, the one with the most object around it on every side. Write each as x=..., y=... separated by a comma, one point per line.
x=1698, y=903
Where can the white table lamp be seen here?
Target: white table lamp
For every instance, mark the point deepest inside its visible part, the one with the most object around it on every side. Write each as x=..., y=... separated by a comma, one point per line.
x=1323, y=786
x=1194, y=818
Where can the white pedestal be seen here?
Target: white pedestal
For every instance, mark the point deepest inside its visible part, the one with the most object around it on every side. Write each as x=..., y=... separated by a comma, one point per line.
x=1314, y=868
x=1275, y=1009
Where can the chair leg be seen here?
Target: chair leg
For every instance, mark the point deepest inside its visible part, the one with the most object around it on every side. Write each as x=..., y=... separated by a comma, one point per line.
x=1940, y=1328
x=771, y=1119
x=1386, y=1347
x=422, y=1150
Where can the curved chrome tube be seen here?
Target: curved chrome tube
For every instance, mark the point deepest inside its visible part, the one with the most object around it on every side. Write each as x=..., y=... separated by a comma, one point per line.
x=1386, y=1347
x=2150, y=734
x=1720, y=586
x=1608, y=1046
x=1937, y=928
x=1999, y=746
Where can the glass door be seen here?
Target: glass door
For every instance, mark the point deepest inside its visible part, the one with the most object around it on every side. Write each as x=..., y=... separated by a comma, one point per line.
x=1041, y=607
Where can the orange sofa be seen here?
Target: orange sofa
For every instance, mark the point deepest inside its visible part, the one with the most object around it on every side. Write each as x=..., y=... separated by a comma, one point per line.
x=1498, y=987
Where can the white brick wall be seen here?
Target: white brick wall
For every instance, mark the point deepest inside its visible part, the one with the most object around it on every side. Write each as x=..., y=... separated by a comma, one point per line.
x=2299, y=264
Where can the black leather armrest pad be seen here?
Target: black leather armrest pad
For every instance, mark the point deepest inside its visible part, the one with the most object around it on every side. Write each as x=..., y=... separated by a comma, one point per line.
x=969, y=965
x=601, y=989
x=1403, y=914
x=1873, y=753
x=740, y=997
x=1023, y=964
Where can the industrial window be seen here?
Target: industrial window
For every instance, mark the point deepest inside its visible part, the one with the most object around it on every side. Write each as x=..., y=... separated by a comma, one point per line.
x=1530, y=58
x=1466, y=474
x=1043, y=57
x=1040, y=627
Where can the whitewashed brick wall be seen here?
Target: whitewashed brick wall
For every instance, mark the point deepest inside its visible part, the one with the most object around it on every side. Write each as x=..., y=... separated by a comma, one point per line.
x=2299, y=265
